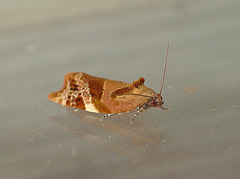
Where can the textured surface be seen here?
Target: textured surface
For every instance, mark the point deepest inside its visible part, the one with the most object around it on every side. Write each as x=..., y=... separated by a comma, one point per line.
x=198, y=138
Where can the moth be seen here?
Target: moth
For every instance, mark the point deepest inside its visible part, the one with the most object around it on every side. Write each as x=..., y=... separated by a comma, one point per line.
x=100, y=95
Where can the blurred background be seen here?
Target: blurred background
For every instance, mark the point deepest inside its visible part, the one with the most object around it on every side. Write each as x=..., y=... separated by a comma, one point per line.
x=123, y=40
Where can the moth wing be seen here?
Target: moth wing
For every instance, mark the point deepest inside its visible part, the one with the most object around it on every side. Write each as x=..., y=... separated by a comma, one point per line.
x=128, y=89
x=99, y=95
x=70, y=93
x=119, y=99
x=81, y=91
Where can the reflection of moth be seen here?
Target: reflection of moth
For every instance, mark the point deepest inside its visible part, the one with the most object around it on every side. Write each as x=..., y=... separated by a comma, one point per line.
x=100, y=95
x=135, y=141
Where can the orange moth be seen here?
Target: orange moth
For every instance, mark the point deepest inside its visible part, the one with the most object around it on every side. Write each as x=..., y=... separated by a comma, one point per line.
x=100, y=95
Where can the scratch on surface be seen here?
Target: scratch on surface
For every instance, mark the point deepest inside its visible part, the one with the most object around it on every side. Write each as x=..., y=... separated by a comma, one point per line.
x=40, y=134
x=30, y=140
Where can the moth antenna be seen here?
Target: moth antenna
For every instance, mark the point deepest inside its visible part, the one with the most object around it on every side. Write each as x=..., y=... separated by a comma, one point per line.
x=140, y=95
x=165, y=67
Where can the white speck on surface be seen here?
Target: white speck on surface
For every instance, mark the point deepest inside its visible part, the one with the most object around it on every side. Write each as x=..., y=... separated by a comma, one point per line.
x=73, y=151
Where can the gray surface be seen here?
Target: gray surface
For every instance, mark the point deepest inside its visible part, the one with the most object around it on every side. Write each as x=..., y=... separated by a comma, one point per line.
x=198, y=138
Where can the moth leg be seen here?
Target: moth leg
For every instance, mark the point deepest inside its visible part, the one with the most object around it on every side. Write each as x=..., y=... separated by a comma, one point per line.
x=107, y=115
x=112, y=114
x=140, y=109
x=167, y=109
x=127, y=112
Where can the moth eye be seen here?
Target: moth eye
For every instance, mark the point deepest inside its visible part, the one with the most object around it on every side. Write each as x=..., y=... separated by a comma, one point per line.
x=153, y=103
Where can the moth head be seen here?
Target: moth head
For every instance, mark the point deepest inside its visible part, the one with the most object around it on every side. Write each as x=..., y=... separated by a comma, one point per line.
x=156, y=102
